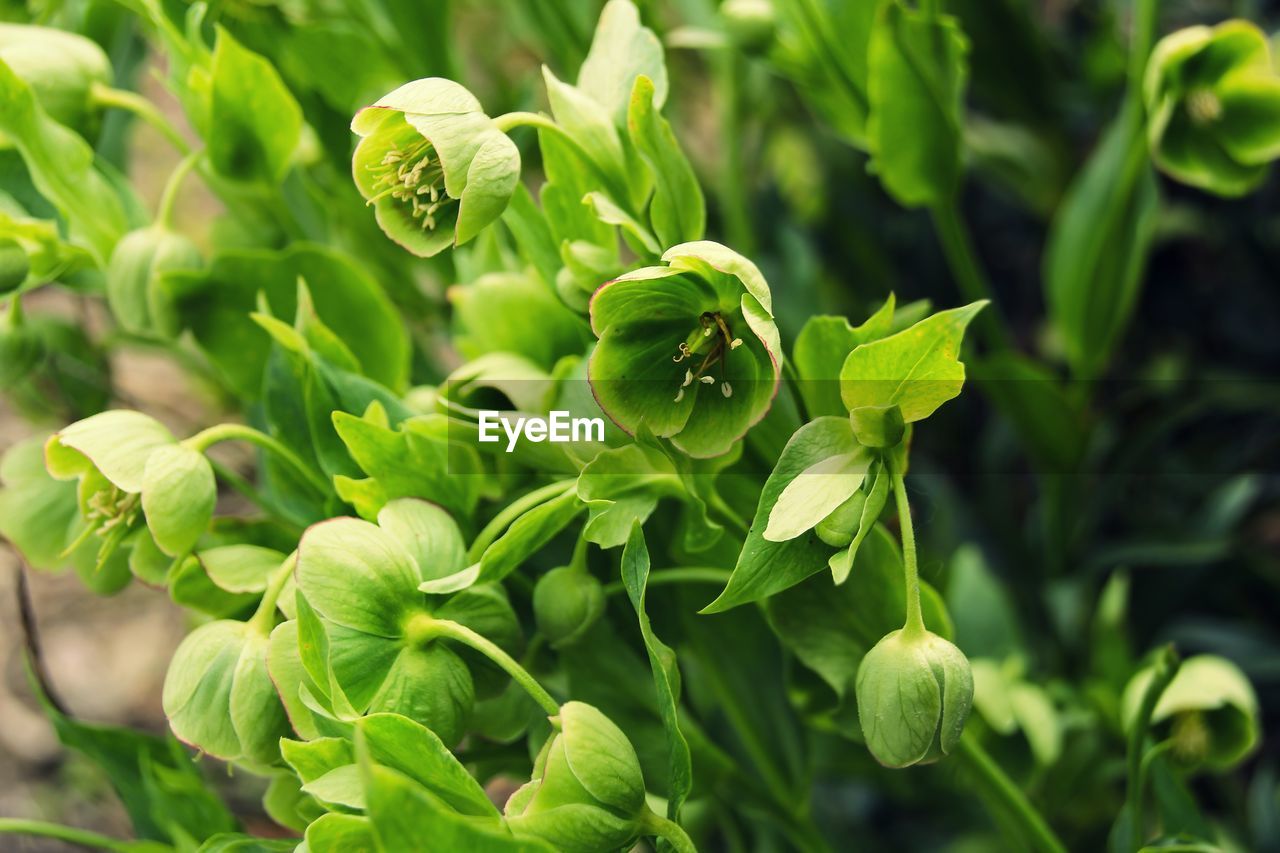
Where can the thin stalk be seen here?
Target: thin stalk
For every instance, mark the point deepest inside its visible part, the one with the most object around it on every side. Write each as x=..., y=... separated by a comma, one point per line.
x=463, y=634
x=44, y=829
x=512, y=511
x=205, y=439
x=164, y=213
x=264, y=618
x=962, y=259
x=728, y=513
x=998, y=787
x=683, y=574
x=669, y=830
x=1166, y=667
x=122, y=99
x=914, y=623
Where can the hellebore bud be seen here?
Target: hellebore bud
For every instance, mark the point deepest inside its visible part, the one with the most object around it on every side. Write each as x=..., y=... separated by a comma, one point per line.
x=60, y=67
x=566, y=602
x=136, y=264
x=914, y=693
x=587, y=791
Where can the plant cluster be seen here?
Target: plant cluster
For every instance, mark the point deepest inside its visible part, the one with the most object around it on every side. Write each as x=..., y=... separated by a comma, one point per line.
x=422, y=642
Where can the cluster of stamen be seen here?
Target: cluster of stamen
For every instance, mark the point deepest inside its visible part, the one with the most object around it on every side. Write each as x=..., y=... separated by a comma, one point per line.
x=1190, y=736
x=1203, y=106
x=414, y=176
x=711, y=342
x=110, y=508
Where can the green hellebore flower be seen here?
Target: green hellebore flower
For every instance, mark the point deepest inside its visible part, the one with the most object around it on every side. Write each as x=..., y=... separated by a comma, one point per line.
x=60, y=67
x=129, y=465
x=587, y=791
x=362, y=582
x=914, y=691
x=690, y=348
x=136, y=264
x=1209, y=712
x=1213, y=106
x=567, y=601
x=436, y=169
x=219, y=697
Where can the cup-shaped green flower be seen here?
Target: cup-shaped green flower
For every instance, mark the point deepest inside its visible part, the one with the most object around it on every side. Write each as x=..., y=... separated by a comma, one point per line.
x=60, y=67
x=587, y=791
x=1213, y=106
x=386, y=650
x=914, y=691
x=567, y=601
x=130, y=466
x=689, y=349
x=1208, y=713
x=436, y=169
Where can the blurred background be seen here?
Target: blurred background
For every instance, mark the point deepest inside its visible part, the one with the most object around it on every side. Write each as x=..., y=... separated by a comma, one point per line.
x=1153, y=477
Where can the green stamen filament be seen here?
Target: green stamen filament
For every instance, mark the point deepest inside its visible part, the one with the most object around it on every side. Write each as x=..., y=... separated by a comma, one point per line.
x=708, y=324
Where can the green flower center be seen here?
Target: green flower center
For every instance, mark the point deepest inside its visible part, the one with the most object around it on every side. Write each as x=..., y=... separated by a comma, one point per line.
x=706, y=345
x=412, y=175
x=109, y=508
x=1190, y=736
x=1203, y=106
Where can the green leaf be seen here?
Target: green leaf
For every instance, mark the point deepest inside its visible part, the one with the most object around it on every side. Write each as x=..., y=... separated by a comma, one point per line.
x=916, y=69
x=401, y=744
x=62, y=167
x=254, y=121
x=917, y=370
x=405, y=816
x=492, y=314
x=415, y=460
x=1097, y=248
x=622, y=51
x=216, y=303
x=178, y=495
x=159, y=785
x=341, y=833
x=677, y=210
x=666, y=678
x=765, y=568
x=821, y=349
x=815, y=493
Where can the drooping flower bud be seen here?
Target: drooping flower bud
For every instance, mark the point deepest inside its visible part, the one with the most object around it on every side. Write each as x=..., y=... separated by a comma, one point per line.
x=587, y=791
x=914, y=691
x=60, y=67
x=566, y=602
x=133, y=272
x=436, y=169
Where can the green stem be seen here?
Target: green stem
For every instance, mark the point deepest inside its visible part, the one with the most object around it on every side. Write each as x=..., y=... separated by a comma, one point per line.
x=164, y=213
x=728, y=513
x=511, y=512
x=264, y=618
x=914, y=624
x=1141, y=41
x=106, y=96
x=1166, y=667
x=205, y=439
x=617, y=192
x=962, y=259
x=731, y=183
x=684, y=574
x=44, y=829
x=656, y=824
x=998, y=787
x=463, y=634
